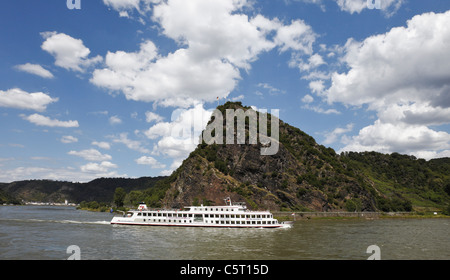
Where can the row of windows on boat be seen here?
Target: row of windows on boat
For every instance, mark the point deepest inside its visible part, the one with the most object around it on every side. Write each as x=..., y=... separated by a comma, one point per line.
x=217, y=222
x=237, y=216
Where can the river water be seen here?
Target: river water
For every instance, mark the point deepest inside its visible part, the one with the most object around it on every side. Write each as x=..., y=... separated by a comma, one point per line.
x=46, y=232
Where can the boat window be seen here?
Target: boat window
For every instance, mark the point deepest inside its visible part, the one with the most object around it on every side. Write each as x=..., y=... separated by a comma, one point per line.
x=139, y=214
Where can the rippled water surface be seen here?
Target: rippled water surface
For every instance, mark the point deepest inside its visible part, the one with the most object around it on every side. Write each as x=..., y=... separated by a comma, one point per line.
x=45, y=232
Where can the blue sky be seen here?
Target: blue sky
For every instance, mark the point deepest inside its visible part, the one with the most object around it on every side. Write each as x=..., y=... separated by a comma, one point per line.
x=104, y=91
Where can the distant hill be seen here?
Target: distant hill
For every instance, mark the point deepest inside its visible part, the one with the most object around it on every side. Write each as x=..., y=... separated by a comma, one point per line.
x=100, y=190
x=399, y=177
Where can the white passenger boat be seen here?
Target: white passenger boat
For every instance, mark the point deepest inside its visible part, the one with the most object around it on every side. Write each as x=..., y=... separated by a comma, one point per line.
x=233, y=215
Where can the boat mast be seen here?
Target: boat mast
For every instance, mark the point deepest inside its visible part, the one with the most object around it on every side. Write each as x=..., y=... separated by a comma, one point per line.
x=228, y=201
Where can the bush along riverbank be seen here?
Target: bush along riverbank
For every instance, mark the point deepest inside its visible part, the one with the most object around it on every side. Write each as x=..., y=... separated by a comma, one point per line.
x=290, y=216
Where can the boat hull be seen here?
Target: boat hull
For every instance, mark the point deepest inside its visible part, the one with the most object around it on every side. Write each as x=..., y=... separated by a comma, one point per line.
x=200, y=225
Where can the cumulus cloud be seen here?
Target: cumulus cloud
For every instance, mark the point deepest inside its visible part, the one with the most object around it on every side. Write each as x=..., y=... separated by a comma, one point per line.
x=404, y=76
x=41, y=120
x=134, y=145
x=180, y=136
x=95, y=167
x=113, y=120
x=67, y=139
x=389, y=7
x=69, y=53
x=333, y=136
x=126, y=6
x=20, y=99
x=405, y=63
x=153, y=117
x=217, y=40
x=103, y=145
x=401, y=138
x=91, y=155
x=35, y=69
x=152, y=162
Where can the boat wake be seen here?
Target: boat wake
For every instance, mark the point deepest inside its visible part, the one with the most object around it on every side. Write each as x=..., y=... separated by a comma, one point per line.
x=57, y=221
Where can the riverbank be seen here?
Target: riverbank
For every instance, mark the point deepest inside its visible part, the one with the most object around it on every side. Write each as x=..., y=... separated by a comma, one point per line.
x=291, y=216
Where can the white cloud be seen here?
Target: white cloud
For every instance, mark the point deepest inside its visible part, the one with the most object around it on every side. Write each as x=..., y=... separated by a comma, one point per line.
x=407, y=63
x=180, y=136
x=67, y=139
x=126, y=6
x=35, y=69
x=41, y=120
x=91, y=155
x=216, y=41
x=307, y=99
x=389, y=7
x=297, y=36
x=332, y=137
x=94, y=167
x=69, y=53
x=152, y=117
x=19, y=99
x=314, y=61
x=320, y=110
x=403, y=75
x=131, y=144
x=272, y=90
x=58, y=174
x=352, y=6
x=103, y=145
x=119, y=5
x=152, y=162
x=113, y=120
x=317, y=87
x=382, y=137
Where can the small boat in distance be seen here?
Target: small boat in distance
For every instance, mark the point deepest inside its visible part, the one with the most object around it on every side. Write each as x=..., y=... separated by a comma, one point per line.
x=233, y=215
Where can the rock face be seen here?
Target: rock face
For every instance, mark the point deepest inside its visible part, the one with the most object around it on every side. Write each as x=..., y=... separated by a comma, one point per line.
x=301, y=176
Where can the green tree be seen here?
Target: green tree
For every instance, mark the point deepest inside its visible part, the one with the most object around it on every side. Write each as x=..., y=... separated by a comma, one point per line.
x=119, y=196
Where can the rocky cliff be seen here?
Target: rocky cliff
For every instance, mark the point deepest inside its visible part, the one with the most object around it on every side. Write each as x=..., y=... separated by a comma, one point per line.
x=302, y=175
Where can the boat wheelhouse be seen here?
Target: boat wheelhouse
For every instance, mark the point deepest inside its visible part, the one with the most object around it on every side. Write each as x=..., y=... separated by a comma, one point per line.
x=230, y=215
